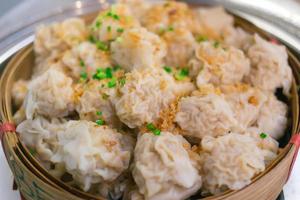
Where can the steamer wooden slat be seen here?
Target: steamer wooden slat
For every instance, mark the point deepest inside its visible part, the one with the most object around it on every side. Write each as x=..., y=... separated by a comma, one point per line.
x=36, y=183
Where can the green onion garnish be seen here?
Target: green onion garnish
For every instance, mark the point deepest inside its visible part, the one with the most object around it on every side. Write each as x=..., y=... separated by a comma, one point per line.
x=116, y=17
x=108, y=72
x=120, y=30
x=81, y=63
x=201, y=38
x=100, y=74
x=109, y=29
x=116, y=67
x=168, y=69
x=84, y=75
x=98, y=24
x=100, y=122
x=92, y=39
x=112, y=83
x=102, y=46
x=170, y=28
x=122, y=81
x=182, y=74
x=263, y=135
x=153, y=129
x=216, y=44
x=99, y=113
x=156, y=132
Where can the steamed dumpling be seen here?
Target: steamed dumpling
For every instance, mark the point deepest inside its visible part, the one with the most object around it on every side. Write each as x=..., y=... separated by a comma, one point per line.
x=59, y=36
x=40, y=134
x=245, y=101
x=215, y=22
x=19, y=91
x=111, y=22
x=146, y=93
x=269, y=66
x=50, y=95
x=92, y=153
x=180, y=47
x=85, y=57
x=219, y=65
x=205, y=114
x=138, y=48
x=166, y=16
x=163, y=169
x=265, y=142
x=229, y=162
x=96, y=97
x=273, y=117
x=52, y=40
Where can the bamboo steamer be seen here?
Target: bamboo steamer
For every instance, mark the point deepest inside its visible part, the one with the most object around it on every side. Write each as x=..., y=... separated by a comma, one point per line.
x=35, y=183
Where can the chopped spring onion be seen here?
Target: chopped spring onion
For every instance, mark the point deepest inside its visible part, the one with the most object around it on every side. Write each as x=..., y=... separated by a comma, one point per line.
x=116, y=67
x=216, y=44
x=168, y=69
x=102, y=46
x=99, y=113
x=109, y=29
x=201, y=38
x=122, y=81
x=112, y=83
x=98, y=24
x=92, y=39
x=182, y=74
x=153, y=129
x=263, y=135
x=84, y=75
x=100, y=74
x=108, y=72
x=82, y=63
x=100, y=122
x=120, y=30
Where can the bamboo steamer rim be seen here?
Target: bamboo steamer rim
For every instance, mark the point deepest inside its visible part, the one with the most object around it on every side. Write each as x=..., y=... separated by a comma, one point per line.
x=12, y=140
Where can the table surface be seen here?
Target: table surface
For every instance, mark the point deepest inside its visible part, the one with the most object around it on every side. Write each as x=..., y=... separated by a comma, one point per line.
x=291, y=189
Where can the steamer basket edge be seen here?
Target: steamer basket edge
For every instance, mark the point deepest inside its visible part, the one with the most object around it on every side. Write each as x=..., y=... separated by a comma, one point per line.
x=35, y=183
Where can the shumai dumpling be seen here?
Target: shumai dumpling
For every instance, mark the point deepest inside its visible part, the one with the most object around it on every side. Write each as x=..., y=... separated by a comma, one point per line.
x=19, y=91
x=91, y=153
x=265, y=142
x=52, y=40
x=205, y=113
x=269, y=66
x=95, y=101
x=163, y=168
x=215, y=22
x=112, y=22
x=50, y=95
x=245, y=101
x=85, y=57
x=229, y=162
x=220, y=65
x=168, y=16
x=137, y=7
x=138, y=48
x=180, y=47
x=40, y=135
x=273, y=117
x=146, y=93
